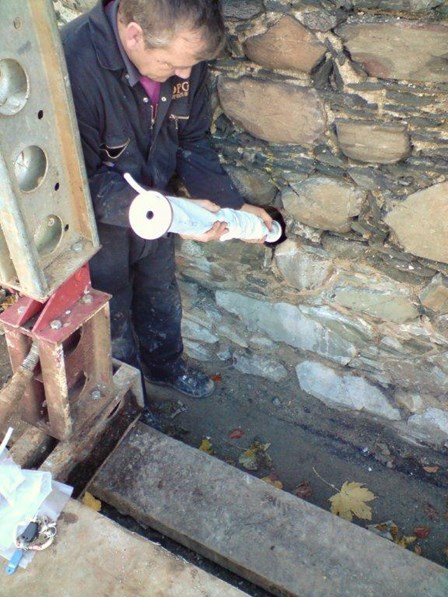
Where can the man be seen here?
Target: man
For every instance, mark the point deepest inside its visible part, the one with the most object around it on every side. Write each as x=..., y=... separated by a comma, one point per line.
x=139, y=83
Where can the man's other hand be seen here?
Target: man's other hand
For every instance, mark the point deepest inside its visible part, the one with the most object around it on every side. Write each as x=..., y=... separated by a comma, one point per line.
x=260, y=213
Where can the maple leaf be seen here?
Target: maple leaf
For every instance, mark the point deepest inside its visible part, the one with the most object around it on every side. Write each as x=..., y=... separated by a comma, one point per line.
x=351, y=501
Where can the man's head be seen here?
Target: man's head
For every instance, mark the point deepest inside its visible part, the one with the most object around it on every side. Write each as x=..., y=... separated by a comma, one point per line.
x=167, y=37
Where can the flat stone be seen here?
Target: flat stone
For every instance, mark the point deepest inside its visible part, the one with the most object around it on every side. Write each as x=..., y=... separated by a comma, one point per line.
x=235, y=9
x=373, y=142
x=272, y=538
x=195, y=331
x=376, y=296
x=344, y=391
x=420, y=223
x=255, y=186
x=319, y=330
x=379, y=47
x=411, y=401
x=430, y=426
x=274, y=111
x=197, y=350
x=324, y=203
x=287, y=45
x=435, y=295
x=402, y=5
x=259, y=365
x=319, y=20
x=93, y=556
x=302, y=266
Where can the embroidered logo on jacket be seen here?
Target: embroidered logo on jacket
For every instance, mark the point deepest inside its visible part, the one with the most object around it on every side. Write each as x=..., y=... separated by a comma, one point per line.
x=181, y=90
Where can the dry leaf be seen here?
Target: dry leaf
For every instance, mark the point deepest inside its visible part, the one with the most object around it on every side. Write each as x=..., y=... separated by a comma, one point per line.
x=216, y=378
x=418, y=550
x=422, y=532
x=405, y=541
x=351, y=500
x=9, y=300
x=236, y=434
x=255, y=456
x=304, y=490
x=387, y=530
x=431, y=469
x=206, y=446
x=91, y=502
x=445, y=551
x=273, y=479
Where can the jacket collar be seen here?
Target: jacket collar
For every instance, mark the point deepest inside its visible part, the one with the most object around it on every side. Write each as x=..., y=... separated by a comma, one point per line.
x=104, y=40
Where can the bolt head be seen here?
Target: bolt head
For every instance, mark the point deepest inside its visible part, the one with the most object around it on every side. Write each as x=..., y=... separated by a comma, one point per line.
x=56, y=324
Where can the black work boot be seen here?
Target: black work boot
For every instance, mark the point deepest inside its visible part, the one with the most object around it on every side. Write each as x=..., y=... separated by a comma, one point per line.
x=184, y=379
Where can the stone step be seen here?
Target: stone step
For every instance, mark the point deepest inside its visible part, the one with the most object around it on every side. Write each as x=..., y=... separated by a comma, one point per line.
x=94, y=557
x=270, y=537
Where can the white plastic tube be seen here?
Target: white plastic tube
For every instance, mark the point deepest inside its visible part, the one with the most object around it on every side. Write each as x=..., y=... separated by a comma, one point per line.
x=151, y=215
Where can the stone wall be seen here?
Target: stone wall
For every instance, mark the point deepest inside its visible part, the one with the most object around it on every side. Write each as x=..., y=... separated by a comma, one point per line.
x=335, y=112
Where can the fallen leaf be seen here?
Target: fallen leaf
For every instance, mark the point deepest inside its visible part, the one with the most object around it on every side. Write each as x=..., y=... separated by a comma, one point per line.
x=206, y=446
x=350, y=501
x=216, y=378
x=405, y=541
x=255, y=456
x=9, y=300
x=422, y=532
x=387, y=530
x=431, y=512
x=273, y=479
x=304, y=490
x=445, y=551
x=418, y=550
x=91, y=502
x=236, y=434
x=431, y=469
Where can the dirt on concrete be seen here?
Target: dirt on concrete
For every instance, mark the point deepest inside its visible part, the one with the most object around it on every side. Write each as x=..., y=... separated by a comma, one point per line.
x=310, y=449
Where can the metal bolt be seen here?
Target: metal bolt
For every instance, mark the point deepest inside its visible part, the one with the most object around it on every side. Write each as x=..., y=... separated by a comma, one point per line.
x=51, y=222
x=56, y=324
x=21, y=310
x=77, y=247
x=87, y=298
x=95, y=395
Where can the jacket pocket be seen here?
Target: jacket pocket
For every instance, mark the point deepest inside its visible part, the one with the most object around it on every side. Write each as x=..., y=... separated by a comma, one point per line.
x=111, y=152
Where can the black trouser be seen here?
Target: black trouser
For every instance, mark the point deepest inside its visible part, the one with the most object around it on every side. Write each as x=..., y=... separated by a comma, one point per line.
x=145, y=307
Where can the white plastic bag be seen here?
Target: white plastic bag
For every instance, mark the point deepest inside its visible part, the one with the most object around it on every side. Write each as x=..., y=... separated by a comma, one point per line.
x=23, y=495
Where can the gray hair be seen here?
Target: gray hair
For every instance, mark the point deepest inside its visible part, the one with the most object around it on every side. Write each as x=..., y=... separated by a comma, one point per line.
x=161, y=20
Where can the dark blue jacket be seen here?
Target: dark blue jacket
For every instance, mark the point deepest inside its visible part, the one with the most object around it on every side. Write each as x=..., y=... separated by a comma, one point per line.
x=117, y=132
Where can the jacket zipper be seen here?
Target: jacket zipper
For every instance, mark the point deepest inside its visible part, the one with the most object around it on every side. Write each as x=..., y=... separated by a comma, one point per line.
x=177, y=118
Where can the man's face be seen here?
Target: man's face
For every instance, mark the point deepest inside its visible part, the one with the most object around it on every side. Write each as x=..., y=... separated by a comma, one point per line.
x=159, y=64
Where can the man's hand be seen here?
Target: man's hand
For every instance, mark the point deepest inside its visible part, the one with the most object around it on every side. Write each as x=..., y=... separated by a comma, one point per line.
x=215, y=232
x=263, y=215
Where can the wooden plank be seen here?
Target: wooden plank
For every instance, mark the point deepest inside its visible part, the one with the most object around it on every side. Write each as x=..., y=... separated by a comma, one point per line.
x=266, y=535
x=31, y=445
x=94, y=557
